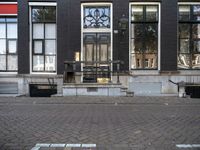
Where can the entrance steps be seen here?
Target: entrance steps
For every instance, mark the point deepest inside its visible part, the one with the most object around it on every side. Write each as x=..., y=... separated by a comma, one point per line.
x=95, y=89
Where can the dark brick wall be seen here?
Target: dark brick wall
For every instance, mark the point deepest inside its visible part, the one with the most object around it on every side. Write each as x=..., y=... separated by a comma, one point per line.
x=23, y=37
x=69, y=32
x=169, y=44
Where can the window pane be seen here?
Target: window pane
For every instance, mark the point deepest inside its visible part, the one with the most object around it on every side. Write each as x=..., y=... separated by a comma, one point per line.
x=37, y=14
x=2, y=19
x=196, y=31
x=2, y=62
x=11, y=19
x=196, y=61
x=38, y=63
x=137, y=45
x=196, y=12
x=12, y=30
x=184, y=30
x=136, y=61
x=38, y=31
x=12, y=46
x=137, y=13
x=137, y=30
x=152, y=13
x=184, y=46
x=12, y=62
x=184, y=13
x=184, y=61
x=151, y=38
x=50, y=63
x=96, y=17
x=50, y=47
x=50, y=14
x=2, y=30
x=150, y=61
x=104, y=52
x=196, y=46
x=2, y=46
x=38, y=47
x=50, y=31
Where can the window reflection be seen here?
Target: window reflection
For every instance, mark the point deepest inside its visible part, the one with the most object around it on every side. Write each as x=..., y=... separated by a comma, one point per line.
x=184, y=13
x=189, y=37
x=144, y=37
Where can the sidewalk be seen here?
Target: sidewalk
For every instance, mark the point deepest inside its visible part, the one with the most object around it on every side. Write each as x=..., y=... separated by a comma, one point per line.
x=100, y=100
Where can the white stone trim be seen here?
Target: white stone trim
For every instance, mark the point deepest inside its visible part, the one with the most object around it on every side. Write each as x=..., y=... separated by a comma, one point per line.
x=159, y=30
x=30, y=37
x=97, y=30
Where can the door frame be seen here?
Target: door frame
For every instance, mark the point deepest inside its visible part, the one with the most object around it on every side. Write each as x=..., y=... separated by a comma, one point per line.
x=97, y=30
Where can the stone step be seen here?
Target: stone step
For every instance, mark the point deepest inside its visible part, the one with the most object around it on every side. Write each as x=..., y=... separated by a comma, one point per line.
x=129, y=93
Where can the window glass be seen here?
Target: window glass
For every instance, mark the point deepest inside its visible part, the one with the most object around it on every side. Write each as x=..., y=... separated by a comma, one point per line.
x=12, y=62
x=3, y=62
x=2, y=46
x=38, y=63
x=184, y=13
x=50, y=14
x=2, y=30
x=38, y=31
x=196, y=46
x=184, y=46
x=196, y=61
x=12, y=30
x=50, y=31
x=12, y=46
x=96, y=17
x=50, y=47
x=196, y=12
x=152, y=13
x=196, y=31
x=2, y=19
x=137, y=13
x=50, y=63
x=184, y=61
x=37, y=14
x=11, y=19
x=184, y=30
x=38, y=47
x=144, y=36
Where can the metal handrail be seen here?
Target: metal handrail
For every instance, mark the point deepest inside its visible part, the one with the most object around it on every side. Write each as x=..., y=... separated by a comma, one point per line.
x=77, y=66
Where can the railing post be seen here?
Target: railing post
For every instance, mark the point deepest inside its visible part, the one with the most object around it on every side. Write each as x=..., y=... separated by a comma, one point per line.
x=118, y=68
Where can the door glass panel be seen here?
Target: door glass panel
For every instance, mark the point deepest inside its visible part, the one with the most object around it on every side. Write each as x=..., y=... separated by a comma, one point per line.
x=104, y=52
x=89, y=52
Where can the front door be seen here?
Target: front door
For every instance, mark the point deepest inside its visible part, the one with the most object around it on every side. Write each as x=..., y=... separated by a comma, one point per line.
x=96, y=54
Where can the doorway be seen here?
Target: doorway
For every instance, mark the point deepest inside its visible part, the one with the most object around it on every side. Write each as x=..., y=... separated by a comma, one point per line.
x=96, y=55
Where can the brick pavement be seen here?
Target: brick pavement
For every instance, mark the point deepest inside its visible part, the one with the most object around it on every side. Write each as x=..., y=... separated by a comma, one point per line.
x=138, y=123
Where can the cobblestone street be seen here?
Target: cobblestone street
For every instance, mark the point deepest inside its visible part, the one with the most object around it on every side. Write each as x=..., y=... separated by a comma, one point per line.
x=121, y=123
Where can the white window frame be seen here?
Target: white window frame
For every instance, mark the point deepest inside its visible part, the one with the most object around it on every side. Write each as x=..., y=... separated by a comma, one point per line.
x=16, y=72
x=31, y=4
x=159, y=33
x=99, y=30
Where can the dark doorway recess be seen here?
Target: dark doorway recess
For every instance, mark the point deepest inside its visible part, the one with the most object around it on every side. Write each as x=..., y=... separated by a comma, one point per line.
x=42, y=90
x=193, y=91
